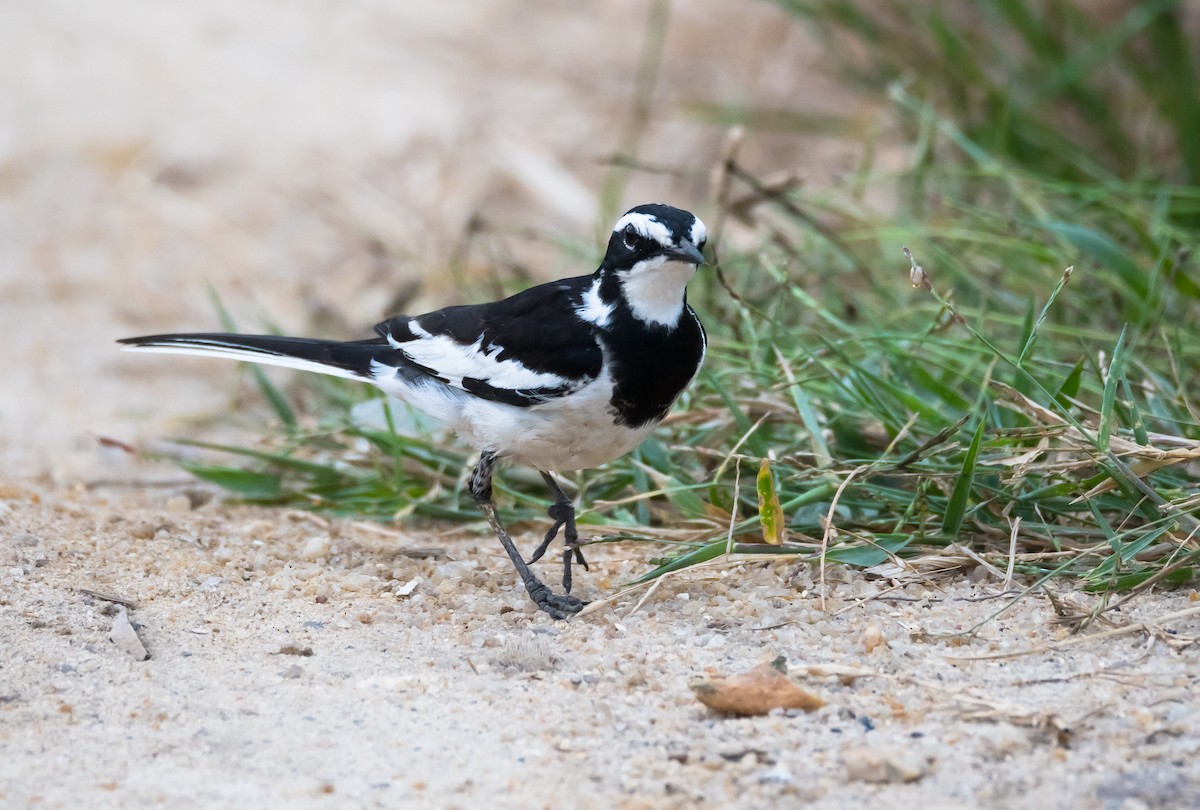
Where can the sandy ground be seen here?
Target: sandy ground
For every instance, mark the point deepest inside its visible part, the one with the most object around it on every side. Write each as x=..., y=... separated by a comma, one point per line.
x=312, y=161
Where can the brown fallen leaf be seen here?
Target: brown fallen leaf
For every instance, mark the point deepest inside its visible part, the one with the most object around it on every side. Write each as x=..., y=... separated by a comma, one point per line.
x=756, y=692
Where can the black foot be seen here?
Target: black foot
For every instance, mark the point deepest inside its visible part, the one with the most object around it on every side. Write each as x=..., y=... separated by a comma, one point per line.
x=558, y=606
x=562, y=512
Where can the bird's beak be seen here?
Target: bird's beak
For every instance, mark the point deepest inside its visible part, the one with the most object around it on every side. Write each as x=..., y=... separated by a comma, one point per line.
x=687, y=252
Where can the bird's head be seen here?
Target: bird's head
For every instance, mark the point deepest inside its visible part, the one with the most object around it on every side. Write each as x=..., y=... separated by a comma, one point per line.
x=653, y=253
x=649, y=236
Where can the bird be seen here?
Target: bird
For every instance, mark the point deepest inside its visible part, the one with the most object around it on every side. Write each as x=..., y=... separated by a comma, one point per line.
x=562, y=376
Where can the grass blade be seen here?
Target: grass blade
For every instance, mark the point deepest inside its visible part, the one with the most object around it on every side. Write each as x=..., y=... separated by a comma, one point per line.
x=956, y=509
x=1108, y=405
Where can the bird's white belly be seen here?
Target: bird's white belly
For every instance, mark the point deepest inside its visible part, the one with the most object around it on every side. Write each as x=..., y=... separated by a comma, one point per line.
x=573, y=432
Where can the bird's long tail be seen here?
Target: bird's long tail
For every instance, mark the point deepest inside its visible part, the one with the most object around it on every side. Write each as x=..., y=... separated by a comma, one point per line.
x=350, y=360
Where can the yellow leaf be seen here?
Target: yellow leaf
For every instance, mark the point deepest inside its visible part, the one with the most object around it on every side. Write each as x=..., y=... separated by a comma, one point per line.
x=770, y=513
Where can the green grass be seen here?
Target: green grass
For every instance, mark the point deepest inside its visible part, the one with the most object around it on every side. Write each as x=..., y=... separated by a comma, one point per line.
x=1058, y=87
x=977, y=403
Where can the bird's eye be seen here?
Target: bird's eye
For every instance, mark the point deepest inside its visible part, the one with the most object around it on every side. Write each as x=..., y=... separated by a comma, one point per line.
x=633, y=239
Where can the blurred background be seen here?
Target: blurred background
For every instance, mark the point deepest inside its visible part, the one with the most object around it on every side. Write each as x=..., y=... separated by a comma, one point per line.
x=317, y=166
x=320, y=165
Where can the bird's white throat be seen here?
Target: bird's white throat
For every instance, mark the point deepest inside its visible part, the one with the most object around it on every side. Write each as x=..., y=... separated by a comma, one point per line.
x=654, y=289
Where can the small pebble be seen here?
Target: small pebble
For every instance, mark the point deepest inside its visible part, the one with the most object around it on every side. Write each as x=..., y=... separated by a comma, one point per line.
x=179, y=504
x=123, y=635
x=455, y=569
x=873, y=637
x=884, y=764
x=777, y=775
x=143, y=530
x=316, y=547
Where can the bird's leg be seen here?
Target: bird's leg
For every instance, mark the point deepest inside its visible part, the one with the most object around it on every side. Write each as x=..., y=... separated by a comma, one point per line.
x=562, y=512
x=481, y=490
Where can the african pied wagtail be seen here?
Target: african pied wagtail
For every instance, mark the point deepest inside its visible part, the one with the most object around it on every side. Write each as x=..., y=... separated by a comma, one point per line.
x=563, y=376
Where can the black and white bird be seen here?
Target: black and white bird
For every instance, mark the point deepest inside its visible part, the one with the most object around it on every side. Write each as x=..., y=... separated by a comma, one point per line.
x=562, y=376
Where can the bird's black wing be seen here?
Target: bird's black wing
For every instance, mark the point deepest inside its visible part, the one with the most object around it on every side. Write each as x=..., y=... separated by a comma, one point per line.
x=526, y=349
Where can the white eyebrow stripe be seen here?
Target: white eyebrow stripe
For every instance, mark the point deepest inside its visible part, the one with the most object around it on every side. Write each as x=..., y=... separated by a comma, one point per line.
x=648, y=226
x=699, y=233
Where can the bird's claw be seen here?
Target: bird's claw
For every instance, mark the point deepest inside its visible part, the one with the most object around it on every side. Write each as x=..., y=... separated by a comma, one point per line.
x=546, y=541
x=572, y=549
x=559, y=606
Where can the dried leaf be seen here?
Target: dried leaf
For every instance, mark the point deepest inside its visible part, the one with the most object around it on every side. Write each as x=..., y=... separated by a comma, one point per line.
x=755, y=692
